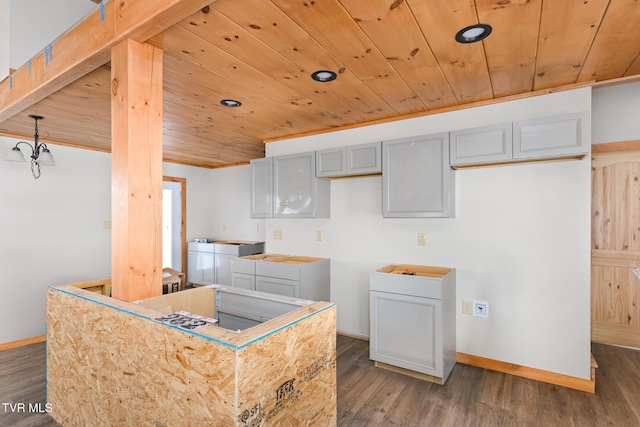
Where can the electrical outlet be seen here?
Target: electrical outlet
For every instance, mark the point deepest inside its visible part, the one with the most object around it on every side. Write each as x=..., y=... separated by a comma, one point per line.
x=224, y=227
x=481, y=308
x=422, y=239
x=319, y=235
x=277, y=234
x=467, y=307
x=256, y=227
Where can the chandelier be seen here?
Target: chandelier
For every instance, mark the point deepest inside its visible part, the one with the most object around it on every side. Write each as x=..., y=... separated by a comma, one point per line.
x=40, y=154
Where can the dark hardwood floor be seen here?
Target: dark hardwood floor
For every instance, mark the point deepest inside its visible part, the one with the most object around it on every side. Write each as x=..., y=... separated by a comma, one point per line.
x=368, y=396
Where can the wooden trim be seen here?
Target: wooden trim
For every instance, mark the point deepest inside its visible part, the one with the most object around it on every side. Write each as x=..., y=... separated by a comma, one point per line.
x=437, y=111
x=183, y=223
x=576, y=383
x=358, y=337
x=23, y=342
x=87, y=46
x=612, y=147
x=618, y=334
x=520, y=161
x=410, y=373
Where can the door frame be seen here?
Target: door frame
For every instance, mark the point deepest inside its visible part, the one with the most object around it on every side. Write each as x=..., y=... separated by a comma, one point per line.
x=183, y=215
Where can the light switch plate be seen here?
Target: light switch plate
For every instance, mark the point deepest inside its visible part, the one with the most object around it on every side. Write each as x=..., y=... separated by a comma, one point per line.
x=467, y=307
x=422, y=239
x=277, y=234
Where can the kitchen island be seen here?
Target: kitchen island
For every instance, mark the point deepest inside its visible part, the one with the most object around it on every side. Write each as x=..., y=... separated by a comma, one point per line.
x=111, y=362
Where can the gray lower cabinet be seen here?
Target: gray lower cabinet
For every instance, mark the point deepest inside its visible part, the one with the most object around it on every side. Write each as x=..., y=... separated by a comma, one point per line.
x=293, y=276
x=417, y=180
x=360, y=159
x=413, y=320
x=210, y=263
x=201, y=264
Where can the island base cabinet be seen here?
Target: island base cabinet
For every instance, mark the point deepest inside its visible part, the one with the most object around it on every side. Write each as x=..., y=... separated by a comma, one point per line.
x=403, y=332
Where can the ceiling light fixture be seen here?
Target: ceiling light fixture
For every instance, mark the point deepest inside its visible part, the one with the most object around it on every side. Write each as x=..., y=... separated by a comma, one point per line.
x=230, y=103
x=40, y=154
x=473, y=33
x=324, y=76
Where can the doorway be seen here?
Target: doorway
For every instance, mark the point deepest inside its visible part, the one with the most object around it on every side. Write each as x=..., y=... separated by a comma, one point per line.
x=615, y=247
x=174, y=224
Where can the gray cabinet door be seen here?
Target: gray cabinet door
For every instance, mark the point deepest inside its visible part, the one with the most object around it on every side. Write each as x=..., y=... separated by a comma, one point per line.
x=298, y=192
x=243, y=281
x=331, y=162
x=262, y=188
x=361, y=159
x=406, y=332
x=294, y=186
x=223, y=269
x=417, y=180
x=552, y=136
x=272, y=285
x=201, y=268
x=364, y=159
x=487, y=144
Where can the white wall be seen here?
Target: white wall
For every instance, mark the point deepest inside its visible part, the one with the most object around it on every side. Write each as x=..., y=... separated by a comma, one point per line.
x=615, y=112
x=4, y=39
x=51, y=228
x=200, y=198
x=232, y=210
x=520, y=240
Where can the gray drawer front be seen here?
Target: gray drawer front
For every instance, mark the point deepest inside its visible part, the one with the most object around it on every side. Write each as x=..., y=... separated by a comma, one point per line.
x=200, y=247
x=418, y=286
x=246, y=266
x=280, y=270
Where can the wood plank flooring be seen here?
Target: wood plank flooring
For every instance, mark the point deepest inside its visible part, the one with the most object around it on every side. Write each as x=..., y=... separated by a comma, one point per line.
x=369, y=396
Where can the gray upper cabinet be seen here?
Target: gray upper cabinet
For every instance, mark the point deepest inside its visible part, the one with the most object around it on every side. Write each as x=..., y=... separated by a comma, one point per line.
x=331, y=162
x=487, y=144
x=361, y=159
x=555, y=136
x=298, y=193
x=417, y=180
x=262, y=188
x=287, y=187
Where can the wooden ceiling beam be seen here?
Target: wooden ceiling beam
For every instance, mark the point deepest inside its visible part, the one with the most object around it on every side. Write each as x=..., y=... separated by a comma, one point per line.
x=88, y=46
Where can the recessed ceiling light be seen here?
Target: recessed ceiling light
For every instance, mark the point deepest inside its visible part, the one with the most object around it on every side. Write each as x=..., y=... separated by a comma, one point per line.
x=323, y=76
x=230, y=103
x=473, y=33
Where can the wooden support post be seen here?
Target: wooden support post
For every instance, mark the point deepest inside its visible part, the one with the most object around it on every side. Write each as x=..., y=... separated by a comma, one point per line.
x=136, y=170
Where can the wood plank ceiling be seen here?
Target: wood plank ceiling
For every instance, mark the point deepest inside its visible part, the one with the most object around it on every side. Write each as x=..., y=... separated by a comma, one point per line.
x=394, y=58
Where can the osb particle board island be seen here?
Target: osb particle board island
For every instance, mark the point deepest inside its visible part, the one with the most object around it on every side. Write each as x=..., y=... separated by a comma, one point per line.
x=111, y=362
